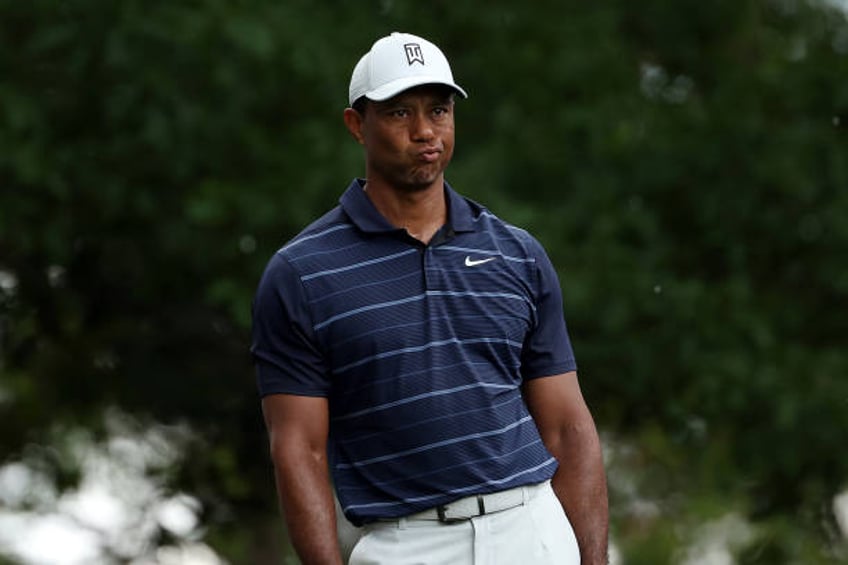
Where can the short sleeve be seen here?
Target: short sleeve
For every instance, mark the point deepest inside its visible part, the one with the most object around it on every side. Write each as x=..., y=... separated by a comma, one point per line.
x=547, y=348
x=285, y=350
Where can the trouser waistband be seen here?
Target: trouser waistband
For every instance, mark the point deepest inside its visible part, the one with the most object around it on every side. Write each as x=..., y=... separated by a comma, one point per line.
x=479, y=505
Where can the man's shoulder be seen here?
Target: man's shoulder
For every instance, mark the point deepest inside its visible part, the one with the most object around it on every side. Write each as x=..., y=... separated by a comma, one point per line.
x=504, y=230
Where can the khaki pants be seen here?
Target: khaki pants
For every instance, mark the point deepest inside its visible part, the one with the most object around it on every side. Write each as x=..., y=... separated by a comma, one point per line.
x=537, y=533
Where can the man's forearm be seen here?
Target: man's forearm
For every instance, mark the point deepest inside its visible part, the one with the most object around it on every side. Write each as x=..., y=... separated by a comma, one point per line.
x=580, y=485
x=306, y=498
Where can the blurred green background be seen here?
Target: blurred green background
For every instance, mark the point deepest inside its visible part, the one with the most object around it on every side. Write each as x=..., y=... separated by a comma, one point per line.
x=685, y=164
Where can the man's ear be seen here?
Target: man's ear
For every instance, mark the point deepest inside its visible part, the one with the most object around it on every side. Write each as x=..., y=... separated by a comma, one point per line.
x=353, y=121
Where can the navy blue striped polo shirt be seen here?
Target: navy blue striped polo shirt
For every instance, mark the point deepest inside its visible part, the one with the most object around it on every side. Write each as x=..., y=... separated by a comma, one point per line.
x=421, y=351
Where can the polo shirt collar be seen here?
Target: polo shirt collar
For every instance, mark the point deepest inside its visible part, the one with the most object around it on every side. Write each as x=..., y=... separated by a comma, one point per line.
x=367, y=218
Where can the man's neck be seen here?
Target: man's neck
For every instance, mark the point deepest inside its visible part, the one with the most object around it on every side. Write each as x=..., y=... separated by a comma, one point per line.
x=420, y=212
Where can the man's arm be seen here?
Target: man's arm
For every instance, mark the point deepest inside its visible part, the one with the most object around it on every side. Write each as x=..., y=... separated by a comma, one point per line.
x=297, y=428
x=569, y=433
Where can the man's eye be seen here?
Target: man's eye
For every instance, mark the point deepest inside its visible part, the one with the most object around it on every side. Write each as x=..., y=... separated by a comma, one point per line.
x=400, y=113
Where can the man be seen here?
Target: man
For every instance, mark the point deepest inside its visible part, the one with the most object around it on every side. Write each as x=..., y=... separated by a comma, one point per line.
x=412, y=354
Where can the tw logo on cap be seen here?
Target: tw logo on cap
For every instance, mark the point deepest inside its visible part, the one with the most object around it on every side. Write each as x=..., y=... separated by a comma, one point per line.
x=413, y=53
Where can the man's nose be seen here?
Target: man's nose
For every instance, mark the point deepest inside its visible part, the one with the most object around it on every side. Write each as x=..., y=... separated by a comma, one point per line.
x=422, y=127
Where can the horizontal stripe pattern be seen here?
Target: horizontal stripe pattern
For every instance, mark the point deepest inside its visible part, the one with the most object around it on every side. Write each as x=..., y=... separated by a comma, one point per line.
x=423, y=356
x=487, y=486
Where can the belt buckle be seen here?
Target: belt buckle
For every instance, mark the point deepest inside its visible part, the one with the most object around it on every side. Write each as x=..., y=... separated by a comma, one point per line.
x=443, y=518
x=440, y=512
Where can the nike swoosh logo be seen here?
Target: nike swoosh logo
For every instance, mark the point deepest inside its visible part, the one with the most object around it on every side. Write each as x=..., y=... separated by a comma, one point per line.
x=469, y=262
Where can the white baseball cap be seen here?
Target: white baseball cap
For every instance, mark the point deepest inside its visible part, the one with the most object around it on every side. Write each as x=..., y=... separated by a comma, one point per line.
x=396, y=63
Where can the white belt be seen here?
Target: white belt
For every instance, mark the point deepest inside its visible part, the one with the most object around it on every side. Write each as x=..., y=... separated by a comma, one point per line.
x=478, y=505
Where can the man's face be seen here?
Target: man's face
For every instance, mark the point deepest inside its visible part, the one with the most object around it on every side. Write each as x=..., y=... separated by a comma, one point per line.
x=409, y=139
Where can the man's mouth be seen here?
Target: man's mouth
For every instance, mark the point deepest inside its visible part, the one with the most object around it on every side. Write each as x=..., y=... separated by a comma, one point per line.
x=429, y=155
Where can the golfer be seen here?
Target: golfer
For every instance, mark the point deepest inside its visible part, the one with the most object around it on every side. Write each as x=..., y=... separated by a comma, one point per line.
x=412, y=356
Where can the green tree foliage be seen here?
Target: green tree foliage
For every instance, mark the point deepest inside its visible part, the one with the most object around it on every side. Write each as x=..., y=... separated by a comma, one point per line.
x=685, y=164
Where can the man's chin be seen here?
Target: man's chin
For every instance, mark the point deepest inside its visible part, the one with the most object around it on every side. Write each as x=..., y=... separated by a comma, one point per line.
x=421, y=182
x=415, y=180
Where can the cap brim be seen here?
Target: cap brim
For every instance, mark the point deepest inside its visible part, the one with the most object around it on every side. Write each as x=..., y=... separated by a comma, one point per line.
x=397, y=86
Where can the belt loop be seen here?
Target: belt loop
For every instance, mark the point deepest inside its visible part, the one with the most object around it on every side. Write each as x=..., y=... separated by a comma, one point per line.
x=481, y=505
x=525, y=495
x=401, y=523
